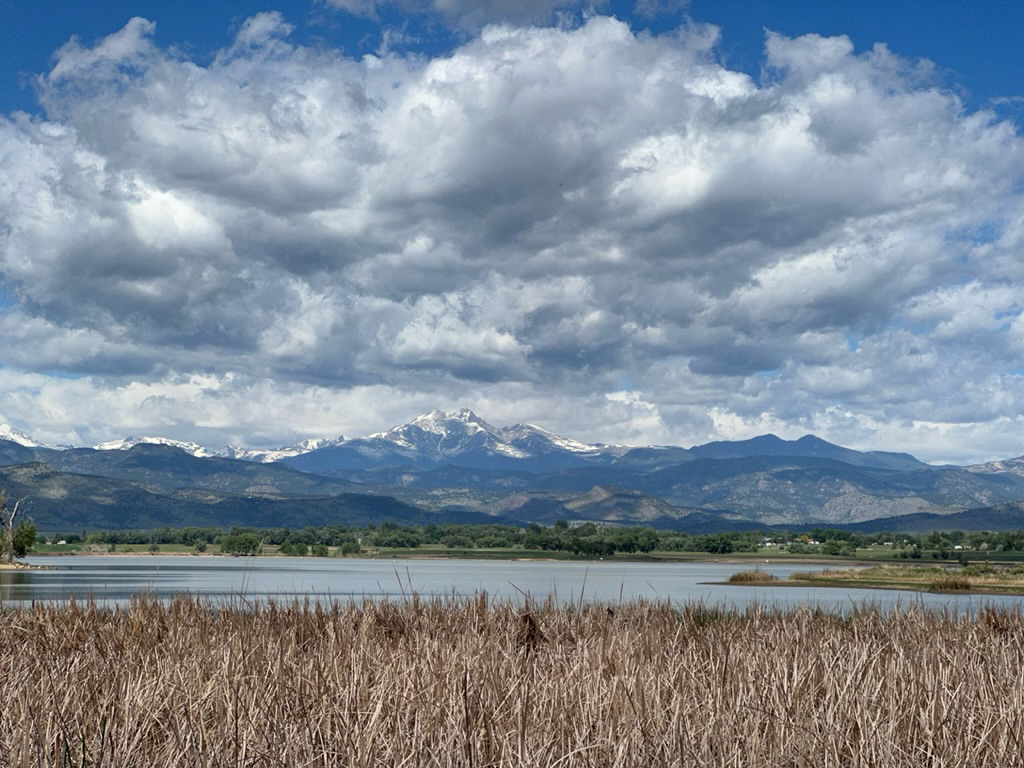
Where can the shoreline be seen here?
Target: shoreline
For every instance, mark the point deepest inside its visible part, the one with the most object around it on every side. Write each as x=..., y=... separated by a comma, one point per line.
x=894, y=587
x=22, y=567
x=129, y=554
x=688, y=557
x=923, y=579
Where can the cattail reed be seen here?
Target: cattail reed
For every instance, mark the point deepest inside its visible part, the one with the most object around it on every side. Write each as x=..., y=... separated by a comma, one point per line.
x=446, y=682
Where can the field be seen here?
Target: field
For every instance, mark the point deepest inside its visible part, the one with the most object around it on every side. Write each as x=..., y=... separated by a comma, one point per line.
x=474, y=683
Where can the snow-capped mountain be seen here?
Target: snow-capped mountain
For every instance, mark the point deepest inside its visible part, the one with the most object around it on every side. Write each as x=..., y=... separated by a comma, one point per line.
x=433, y=439
x=7, y=432
x=267, y=457
x=230, y=452
x=535, y=441
x=130, y=442
x=1005, y=467
x=461, y=438
x=439, y=435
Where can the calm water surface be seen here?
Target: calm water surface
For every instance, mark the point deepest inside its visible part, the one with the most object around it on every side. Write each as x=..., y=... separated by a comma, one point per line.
x=115, y=579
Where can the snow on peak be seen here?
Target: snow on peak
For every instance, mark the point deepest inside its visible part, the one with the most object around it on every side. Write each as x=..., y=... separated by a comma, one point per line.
x=445, y=422
x=7, y=432
x=526, y=433
x=440, y=434
x=268, y=456
x=130, y=442
x=1004, y=467
x=313, y=444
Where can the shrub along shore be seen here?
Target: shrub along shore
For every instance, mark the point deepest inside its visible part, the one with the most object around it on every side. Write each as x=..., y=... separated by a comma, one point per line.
x=561, y=540
x=445, y=682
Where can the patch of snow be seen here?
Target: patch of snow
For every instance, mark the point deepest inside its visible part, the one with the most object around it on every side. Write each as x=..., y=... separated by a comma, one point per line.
x=7, y=432
x=523, y=432
x=130, y=442
x=1004, y=467
x=511, y=451
x=276, y=454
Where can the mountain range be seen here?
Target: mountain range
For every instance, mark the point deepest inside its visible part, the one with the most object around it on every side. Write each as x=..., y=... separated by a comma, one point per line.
x=457, y=466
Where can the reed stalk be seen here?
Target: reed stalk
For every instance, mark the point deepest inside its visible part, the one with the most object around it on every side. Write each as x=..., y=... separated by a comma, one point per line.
x=446, y=682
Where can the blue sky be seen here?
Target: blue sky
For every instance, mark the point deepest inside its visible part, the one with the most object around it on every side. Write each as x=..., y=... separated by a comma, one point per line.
x=627, y=222
x=975, y=45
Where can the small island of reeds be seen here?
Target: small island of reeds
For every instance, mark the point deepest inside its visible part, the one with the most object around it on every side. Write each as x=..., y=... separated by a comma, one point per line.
x=446, y=682
x=982, y=579
x=752, y=577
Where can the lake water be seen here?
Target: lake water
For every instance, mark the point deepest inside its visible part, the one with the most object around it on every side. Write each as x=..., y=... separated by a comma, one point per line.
x=115, y=579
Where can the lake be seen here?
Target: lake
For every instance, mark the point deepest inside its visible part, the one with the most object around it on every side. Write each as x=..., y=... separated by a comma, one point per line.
x=116, y=579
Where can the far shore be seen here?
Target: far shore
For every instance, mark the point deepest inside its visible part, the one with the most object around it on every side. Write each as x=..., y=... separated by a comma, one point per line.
x=18, y=566
x=510, y=555
x=130, y=553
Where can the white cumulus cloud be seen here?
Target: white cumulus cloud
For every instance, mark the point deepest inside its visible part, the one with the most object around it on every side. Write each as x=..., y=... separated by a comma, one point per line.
x=526, y=221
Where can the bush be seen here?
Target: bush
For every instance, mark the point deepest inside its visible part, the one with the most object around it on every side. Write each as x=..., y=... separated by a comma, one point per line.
x=24, y=538
x=950, y=584
x=294, y=548
x=240, y=544
x=752, y=577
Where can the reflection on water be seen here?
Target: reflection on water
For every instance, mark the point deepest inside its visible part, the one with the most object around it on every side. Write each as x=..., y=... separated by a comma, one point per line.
x=116, y=579
x=14, y=585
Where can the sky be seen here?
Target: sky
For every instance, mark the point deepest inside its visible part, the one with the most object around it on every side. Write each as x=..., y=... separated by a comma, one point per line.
x=642, y=222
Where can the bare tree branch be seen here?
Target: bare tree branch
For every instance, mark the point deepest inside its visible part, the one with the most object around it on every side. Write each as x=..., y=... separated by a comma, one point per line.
x=8, y=518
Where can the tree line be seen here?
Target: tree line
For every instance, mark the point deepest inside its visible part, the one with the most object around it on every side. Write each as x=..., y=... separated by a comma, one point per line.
x=586, y=539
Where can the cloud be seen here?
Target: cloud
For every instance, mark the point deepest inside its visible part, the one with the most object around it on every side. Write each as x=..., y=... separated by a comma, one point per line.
x=650, y=9
x=541, y=213
x=129, y=47
x=472, y=15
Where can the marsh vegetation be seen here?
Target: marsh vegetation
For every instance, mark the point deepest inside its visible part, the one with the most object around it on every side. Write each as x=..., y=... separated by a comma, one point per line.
x=755, y=576
x=982, y=578
x=476, y=683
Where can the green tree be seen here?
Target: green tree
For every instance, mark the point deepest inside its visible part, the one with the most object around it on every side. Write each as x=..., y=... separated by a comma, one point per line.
x=24, y=538
x=241, y=544
x=16, y=537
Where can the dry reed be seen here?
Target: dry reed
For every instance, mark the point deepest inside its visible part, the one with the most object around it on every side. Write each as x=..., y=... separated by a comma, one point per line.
x=471, y=683
x=950, y=584
x=752, y=577
x=991, y=578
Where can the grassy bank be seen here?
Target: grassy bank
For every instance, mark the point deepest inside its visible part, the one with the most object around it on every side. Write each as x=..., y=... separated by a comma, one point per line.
x=441, y=683
x=983, y=579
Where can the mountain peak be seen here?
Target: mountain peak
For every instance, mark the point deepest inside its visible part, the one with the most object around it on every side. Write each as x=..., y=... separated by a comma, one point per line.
x=443, y=422
x=462, y=414
x=130, y=442
x=7, y=432
x=813, y=440
x=287, y=451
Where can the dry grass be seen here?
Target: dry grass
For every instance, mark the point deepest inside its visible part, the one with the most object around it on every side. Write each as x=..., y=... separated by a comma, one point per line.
x=950, y=584
x=449, y=683
x=752, y=577
x=997, y=579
